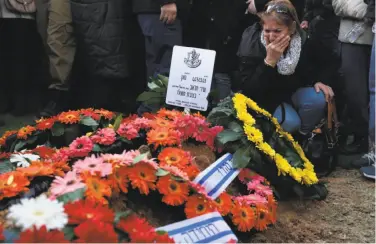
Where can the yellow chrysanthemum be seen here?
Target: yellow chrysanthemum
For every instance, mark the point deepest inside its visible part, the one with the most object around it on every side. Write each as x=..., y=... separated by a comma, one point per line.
x=282, y=164
x=309, y=177
x=306, y=175
x=253, y=134
x=267, y=149
x=295, y=174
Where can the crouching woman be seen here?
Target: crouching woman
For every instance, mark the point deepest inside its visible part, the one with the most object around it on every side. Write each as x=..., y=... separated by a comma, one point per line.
x=278, y=70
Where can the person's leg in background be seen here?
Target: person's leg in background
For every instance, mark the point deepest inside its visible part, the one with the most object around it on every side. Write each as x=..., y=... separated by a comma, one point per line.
x=310, y=106
x=355, y=67
x=221, y=87
x=160, y=38
x=288, y=118
x=367, y=159
x=3, y=80
x=17, y=53
x=61, y=52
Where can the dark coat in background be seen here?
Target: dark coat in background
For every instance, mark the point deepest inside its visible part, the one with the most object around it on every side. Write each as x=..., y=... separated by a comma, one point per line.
x=314, y=8
x=217, y=25
x=154, y=6
x=102, y=35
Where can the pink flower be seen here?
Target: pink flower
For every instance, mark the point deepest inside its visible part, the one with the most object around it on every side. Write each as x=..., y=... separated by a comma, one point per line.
x=263, y=190
x=258, y=178
x=127, y=131
x=199, y=189
x=61, y=155
x=251, y=199
x=186, y=125
x=252, y=185
x=141, y=123
x=151, y=162
x=175, y=171
x=129, y=156
x=212, y=133
x=81, y=147
x=115, y=159
x=244, y=175
x=106, y=136
x=93, y=165
x=69, y=183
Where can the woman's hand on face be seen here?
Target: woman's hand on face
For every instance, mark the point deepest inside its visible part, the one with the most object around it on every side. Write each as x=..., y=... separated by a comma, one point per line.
x=327, y=90
x=275, y=49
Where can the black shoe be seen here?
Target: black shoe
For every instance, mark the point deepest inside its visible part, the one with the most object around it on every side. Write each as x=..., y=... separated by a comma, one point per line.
x=358, y=145
x=366, y=160
x=57, y=104
x=51, y=109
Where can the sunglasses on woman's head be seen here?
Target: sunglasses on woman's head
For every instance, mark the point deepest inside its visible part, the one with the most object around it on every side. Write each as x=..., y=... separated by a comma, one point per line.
x=279, y=9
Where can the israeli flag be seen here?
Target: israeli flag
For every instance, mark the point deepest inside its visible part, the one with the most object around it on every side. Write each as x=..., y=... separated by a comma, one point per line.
x=218, y=176
x=207, y=228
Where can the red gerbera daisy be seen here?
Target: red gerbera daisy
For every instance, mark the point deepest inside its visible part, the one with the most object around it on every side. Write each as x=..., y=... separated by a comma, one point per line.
x=89, y=112
x=192, y=171
x=244, y=217
x=262, y=214
x=45, y=124
x=174, y=157
x=6, y=135
x=223, y=203
x=12, y=184
x=96, y=188
x=163, y=238
x=142, y=176
x=96, y=232
x=175, y=193
x=118, y=179
x=70, y=117
x=138, y=229
x=163, y=137
x=41, y=235
x=105, y=113
x=44, y=152
x=82, y=211
x=25, y=131
x=272, y=205
x=198, y=205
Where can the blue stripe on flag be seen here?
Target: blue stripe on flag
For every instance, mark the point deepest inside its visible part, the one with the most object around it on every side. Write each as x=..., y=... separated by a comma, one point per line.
x=214, y=169
x=217, y=236
x=221, y=182
x=194, y=225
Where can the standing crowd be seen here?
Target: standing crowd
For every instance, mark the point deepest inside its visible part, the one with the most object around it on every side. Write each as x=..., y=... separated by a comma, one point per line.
x=292, y=57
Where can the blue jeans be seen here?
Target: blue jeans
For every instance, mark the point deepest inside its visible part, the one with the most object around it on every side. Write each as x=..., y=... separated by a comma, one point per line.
x=372, y=97
x=309, y=108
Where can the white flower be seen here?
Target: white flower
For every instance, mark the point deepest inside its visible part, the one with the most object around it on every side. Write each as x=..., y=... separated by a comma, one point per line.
x=38, y=211
x=23, y=160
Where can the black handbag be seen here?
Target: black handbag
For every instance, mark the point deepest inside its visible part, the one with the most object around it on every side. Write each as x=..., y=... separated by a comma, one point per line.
x=322, y=147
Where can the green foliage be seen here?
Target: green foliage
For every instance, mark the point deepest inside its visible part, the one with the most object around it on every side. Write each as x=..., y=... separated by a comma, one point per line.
x=72, y=196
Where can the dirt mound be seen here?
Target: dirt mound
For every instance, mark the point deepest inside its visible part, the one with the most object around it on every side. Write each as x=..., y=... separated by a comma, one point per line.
x=347, y=215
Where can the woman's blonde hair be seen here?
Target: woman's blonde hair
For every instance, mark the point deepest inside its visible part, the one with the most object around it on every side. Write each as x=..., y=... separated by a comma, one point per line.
x=283, y=12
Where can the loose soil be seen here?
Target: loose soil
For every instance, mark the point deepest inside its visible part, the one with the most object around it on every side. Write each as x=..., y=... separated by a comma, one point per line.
x=346, y=215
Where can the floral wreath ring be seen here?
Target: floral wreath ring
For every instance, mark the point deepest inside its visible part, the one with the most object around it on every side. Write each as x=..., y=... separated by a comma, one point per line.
x=305, y=175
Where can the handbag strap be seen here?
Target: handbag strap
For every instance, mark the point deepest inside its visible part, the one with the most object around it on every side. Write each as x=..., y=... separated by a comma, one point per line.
x=332, y=114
